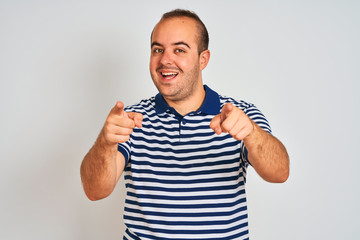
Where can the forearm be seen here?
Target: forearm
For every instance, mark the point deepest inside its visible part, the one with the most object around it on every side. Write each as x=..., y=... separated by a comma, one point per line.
x=99, y=169
x=267, y=155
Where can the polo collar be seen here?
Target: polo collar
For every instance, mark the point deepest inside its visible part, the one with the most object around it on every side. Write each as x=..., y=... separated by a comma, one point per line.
x=210, y=106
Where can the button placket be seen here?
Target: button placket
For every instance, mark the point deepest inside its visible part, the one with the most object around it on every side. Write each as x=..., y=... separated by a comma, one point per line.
x=182, y=123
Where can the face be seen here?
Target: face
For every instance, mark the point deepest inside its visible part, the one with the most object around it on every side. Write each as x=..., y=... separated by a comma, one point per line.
x=175, y=64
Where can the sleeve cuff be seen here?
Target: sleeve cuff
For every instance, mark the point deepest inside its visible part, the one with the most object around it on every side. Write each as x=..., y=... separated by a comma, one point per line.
x=124, y=152
x=245, y=154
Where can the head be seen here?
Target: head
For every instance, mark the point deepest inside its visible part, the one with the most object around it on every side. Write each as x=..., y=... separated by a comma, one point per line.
x=202, y=34
x=179, y=52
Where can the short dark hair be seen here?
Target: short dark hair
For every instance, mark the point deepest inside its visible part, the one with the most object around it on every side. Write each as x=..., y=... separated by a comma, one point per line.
x=203, y=33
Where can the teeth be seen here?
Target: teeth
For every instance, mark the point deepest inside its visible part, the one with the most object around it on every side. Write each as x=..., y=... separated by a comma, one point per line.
x=168, y=74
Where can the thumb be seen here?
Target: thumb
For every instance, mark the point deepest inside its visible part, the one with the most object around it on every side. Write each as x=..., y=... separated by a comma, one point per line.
x=137, y=117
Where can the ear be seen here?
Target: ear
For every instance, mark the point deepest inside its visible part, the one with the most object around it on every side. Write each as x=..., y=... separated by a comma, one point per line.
x=204, y=58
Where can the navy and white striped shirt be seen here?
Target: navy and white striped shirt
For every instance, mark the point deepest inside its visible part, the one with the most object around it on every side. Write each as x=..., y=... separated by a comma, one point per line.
x=183, y=181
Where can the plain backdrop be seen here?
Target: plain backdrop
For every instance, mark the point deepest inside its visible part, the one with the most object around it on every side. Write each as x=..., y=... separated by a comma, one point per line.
x=64, y=64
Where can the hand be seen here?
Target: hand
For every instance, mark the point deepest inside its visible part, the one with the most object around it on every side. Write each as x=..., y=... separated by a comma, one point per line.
x=120, y=124
x=232, y=120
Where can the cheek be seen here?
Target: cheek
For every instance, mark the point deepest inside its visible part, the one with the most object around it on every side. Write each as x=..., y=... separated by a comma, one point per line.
x=152, y=64
x=183, y=64
x=189, y=65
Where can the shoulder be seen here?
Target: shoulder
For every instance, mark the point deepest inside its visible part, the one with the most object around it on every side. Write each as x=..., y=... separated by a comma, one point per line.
x=250, y=110
x=243, y=105
x=144, y=106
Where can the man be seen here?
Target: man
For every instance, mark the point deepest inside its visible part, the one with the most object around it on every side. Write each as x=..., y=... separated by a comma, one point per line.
x=184, y=152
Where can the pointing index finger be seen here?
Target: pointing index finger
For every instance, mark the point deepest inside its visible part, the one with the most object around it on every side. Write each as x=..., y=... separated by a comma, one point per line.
x=118, y=108
x=225, y=111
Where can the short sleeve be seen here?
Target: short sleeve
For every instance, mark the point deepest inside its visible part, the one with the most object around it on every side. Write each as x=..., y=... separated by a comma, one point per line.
x=124, y=149
x=258, y=117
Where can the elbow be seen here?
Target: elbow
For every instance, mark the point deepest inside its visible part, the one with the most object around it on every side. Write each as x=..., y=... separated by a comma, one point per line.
x=95, y=191
x=285, y=173
x=97, y=195
x=282, y=178
x=277, y=179
x=285, y=177
x=93, y=197
x=282, y=172
x=278, y=176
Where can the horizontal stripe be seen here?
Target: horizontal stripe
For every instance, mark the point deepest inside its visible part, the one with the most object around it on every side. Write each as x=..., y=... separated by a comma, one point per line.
x=204, y=220
x=184, y=212
x=186, y=156
x=188, y=180
x=171, y=164
x=183, y=181
x=217, y=140
x=186, y=189
x=230, y=201
x=164, y=149
x=156, y=194
x=188, y=227
x=175, y=140
x=144, y=231
x=177, y=205
x=185, y=173
x=162, y=196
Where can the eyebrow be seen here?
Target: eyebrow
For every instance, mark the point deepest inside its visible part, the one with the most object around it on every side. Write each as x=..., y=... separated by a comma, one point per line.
x=182, y=43
x=155, y=44
x=176, y=44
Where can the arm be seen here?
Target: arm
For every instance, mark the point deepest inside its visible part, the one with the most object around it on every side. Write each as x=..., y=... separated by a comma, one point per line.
x=103, y=164
x=266, y=153
x=101, y=168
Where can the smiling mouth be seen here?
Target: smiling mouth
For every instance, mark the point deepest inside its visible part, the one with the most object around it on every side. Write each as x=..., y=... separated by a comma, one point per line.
x=168, y=75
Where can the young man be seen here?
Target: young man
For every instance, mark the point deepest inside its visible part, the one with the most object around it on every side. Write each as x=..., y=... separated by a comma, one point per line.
x=184, y=152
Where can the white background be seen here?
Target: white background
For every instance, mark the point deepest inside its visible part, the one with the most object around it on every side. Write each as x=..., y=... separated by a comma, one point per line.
x=63, y=65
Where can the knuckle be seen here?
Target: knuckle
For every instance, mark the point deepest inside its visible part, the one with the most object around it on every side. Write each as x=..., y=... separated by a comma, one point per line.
x=127, y=131
x=239, y=136
x=140, y=116
x=124, y=138
x=233, y=132
x=226, y=126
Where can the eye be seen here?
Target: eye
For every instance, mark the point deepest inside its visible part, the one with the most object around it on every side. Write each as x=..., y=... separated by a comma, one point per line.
x=179, y=50
x=158, y=50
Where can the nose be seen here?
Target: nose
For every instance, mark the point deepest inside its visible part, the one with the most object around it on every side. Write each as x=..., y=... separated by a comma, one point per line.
x=166, y=58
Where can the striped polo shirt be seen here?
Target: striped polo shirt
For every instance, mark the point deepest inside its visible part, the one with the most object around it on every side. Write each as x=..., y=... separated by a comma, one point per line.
x=183, y=181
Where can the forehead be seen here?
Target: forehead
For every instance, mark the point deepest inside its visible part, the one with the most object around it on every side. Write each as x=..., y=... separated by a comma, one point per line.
x=174, y=30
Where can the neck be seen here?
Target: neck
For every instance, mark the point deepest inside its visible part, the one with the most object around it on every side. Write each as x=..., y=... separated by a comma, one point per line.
x=190, y=104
